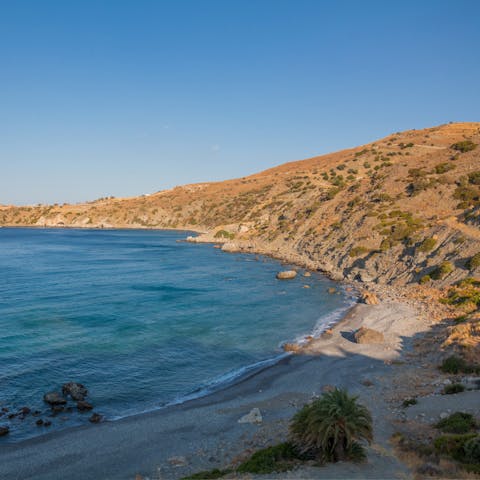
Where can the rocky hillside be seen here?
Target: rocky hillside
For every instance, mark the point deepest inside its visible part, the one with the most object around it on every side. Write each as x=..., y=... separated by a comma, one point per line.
x=403, y=209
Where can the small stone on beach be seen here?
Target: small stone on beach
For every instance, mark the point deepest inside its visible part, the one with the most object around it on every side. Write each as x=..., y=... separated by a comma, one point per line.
x=254, y=416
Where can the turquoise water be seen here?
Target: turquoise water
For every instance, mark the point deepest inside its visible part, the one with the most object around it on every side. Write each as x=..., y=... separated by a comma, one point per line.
x=138, y=317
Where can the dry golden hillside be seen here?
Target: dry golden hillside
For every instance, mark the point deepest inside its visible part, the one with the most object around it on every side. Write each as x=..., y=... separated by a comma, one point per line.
x=403, y=209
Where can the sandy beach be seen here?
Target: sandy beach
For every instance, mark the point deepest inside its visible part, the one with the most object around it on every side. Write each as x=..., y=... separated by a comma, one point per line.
x=205, y=433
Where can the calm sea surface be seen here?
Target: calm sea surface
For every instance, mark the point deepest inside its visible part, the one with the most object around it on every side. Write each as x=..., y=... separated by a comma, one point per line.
x=139, y=318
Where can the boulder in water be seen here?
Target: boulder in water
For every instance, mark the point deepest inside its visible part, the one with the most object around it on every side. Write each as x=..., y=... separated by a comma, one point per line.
x=286, y=275
x=54, y=398
x=76, y=390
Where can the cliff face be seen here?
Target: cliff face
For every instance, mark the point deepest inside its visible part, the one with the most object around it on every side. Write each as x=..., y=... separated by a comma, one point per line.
x=400, y=210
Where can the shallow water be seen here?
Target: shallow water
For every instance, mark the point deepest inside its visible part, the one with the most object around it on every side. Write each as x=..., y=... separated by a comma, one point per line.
x=141, y=319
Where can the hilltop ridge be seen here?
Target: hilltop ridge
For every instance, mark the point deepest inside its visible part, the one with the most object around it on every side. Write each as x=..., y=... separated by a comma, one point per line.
x=391, y=211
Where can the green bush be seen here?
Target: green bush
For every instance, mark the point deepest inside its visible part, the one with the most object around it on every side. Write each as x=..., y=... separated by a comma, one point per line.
x=453, y=445
x=357, y=251
x=271, y=459
x=444, y=167
x=331, y=427
x=474, y=262
x=457, y=422
x=442, y=270
x=409, y=401
x=427, y=245
x=464, y=146
x=474, y=178
x=425, y=279
x=453, y=364
x=472, y=450
x=224, y=234
x=453, y=388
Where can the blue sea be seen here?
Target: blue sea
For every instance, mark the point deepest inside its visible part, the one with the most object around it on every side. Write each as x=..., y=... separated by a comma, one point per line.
x=139, y=317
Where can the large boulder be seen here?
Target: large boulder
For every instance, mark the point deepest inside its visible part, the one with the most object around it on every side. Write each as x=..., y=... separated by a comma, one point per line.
x=369, y=298
x=368, y=335
x=286, y=275
x=4, y=430
x=54, y=398
x=77, y=391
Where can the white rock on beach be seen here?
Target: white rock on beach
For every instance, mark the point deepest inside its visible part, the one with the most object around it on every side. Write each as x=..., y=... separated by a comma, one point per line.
x=254, y=416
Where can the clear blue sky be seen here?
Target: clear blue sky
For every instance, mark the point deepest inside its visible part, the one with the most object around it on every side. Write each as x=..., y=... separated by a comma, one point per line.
x=128, y=97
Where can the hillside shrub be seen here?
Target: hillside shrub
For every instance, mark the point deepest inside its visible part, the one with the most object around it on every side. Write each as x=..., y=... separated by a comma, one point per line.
x=409, y=402
x=278, y=458
x=427, y=245
x=453, y=364
x=457, y=422
x=474, y=262
x=444, y=167
x=472, y=450
x=357, y=251
x=474, y=178
x=425, y=279
x=453, y=445
x=464, y=146
x=442, y=270
x=453, y=388
x=224, y=234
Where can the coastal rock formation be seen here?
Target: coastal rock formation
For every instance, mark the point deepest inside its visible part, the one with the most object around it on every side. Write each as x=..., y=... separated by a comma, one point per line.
x=368, y=335
x=369, y=298
x=77, y=391
x=54, y=398
x=286, y=274
x=254, y=416
x=4, y=430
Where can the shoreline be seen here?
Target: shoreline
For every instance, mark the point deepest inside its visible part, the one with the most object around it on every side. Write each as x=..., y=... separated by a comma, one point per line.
x=184, y=438
x=192, y=436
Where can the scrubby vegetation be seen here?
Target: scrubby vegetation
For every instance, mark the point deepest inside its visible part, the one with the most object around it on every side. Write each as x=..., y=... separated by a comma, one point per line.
x=455, y=364
x=464, y=146
x=408, y=402
x=474, y=262
x=278, y=458
x=465, y=294
x=457, y=422
x=427, y=245
x=442, y=270
x=453, y=388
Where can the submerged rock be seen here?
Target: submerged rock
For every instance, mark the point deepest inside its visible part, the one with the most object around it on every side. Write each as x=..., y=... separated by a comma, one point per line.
x=286, y=274
x=95, y=418
x=54, y=398
x=368, y=335
x=76, y=390
x=254, y=416
x=83, y=406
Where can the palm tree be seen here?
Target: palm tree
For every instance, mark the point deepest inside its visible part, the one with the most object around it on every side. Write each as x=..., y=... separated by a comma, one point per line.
x=331, y=427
